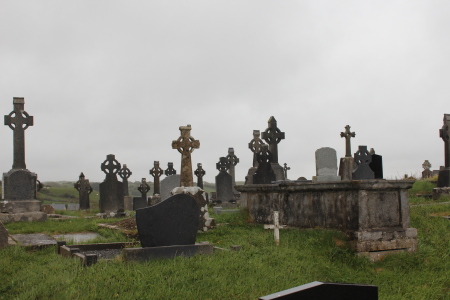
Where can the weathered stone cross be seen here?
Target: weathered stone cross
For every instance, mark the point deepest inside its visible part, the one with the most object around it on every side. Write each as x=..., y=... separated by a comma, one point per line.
x=170, y=170
x=285, y=169
x=125, y=173
x=276, y=227
x=254, y=145
x=19, y=120
x=273, y=135
x=444, y=133
x=144, y=188
x=199, y=173
x=347, y=135
x=186, y=144
x=156, y=172
x=234, y=160
x=84, y=189
x=111, y=166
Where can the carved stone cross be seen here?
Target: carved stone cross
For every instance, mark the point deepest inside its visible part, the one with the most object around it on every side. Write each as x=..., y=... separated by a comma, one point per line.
x=444, y=133
x=254, y=145
x=426, y=165
x=170, y=170
x=276, y=227
x=285, y=169
x=234, y=160
x=186, y=144
x=347, y=135
x=19, y=120
x=84, y=190
x=223, y=165
x=199, y=173
x=156, y=172
x=144, y=188
x=125, y=173
x=110, y=166
x=273, y=135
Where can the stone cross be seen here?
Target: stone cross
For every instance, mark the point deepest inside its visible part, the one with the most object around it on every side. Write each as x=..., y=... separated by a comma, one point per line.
x=125, y=173
x=347, y=135
x=276, y=227
x=144, y=188
x=170, y=170
x=223, y=165
x=111, y=190
x=234, y=160
x=426, y=165
x=273, y=135
x=285, y=169
x=254, y=145
x=84, y=190
x=444, y=133
x=186, y=144
x=110, y=166
x=19, y=120
x=199, y=173
x=156, y=172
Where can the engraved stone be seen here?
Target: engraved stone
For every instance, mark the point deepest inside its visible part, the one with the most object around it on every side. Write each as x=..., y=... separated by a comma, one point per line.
x=224, y=182
x=326, y=165
x=264, y=174
x=84, y=190
x=199, y=172
x=186, y=144
x=156, y=172
x=111, y=190
x=254, y=145
x=363, y=171
x=273, y=136
x=125, y=173
x=168, y=184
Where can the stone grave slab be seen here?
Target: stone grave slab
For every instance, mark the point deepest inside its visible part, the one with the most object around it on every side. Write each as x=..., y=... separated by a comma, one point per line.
x=326, y=165
x=168, y=184
x=149, y=253
x=376, y=165
x=111, y=190
x=35, y=240
x=77, y=237
x=3, y=236
x=128, y=202
x=58, y=206
x=224, y=183
x=73, y=206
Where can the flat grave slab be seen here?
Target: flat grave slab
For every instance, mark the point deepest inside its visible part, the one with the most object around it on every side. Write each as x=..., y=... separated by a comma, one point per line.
x=34, y=240
x=149, y=253
x=77, y=237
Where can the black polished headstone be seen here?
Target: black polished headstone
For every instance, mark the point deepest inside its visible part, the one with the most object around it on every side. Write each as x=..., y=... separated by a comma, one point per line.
x=170, y=170
x=173, y=221
x=363, y=171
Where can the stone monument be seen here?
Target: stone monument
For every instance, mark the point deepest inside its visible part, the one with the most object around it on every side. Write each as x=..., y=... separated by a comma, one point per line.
x=234, y=160
x=84, y=190
x=156, y=172
x=326, y=165
x=444, y=173
x=111, y=190
x=186, y=144
x=285, y=169
x=141, y=202
x=19, y=184
x=273, y=136
x=224, y=182
x=199, y=172
x=254, y=145
x=264, y=173
x=125, y=173
x=427, y=173
x=170, y=170
x=376, y=165
x=347, y=163
x=363, y=171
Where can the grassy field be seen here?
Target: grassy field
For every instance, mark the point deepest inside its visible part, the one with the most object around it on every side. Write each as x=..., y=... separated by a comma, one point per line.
x=260, y=268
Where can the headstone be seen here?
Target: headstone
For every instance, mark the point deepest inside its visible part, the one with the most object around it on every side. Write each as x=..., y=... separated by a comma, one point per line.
x=168, y=184
x=285, y=169
x=264, y=173
x=111, y=190
x=376, y=165
x=174, y=221
x=326, y=165
x=3, y=236
x=199, y=172
x=347, y=163
x=326, y=290
x=224, y=182
x=427, y=173
x=363, y=171
x=170, y=170
x=19, y=184
x=57, y=206
x=144, y=188
x=139, y=202
x=156, y=172
x=273, y=136
x=444, y=133
x=125, y=173
x=84, y=190
x=254, y=145
x=233, y=160
x=73, y=206
x=186, y=144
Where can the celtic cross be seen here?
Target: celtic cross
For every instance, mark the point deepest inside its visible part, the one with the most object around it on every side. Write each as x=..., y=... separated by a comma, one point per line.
x=362, y=156
x=186, y=144
x=444, y=133
x=199, y=173
x=285, y=169
x=347, y=135
x=110, y=166
x=254, y=145
x=234, y=160
x=144, y=188
x=223, y=165
x=273, y=135
x=156, y=172
x=170, y=170
x=125, y=173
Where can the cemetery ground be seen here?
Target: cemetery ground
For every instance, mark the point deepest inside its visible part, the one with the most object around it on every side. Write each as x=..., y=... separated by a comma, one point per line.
x=258, y=269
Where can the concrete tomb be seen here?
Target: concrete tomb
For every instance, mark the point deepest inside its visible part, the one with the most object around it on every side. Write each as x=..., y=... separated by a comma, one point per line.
x=186, y=144
x=264, y=173
x=73, y=206
x=376, y=165
x=156, y=172
x=233, y=160
x=19, y=184
x=347, y=163
x=224, y=182
x=59, y=206
x=326, y=165
x=199, y=172
x=362, y=159
x=254, y=145
x=111, y=190
x=125, y=173
x=273, y=136
x=84, y=190
x=168, y=184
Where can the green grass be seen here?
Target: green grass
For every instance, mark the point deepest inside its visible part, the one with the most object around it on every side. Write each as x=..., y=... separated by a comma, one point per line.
x=260, y=268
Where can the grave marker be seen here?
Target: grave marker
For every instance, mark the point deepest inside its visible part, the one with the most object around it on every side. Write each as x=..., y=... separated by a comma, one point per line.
x=254, y=145
x=170, y=170
x=156, y=172
x=224, y=182
x=276, y=227
x=363, y=171
x=444, y=133
x=233, y=160
x=326, y=165
x=186, y=144
x=273, y=136
x=347, y=163
x=168, y=184
x=125, y=173
x=199, y=172
x=111, y=190
x=376, y=165
x=84, y=190
x=426, y=172
x=264, y=173
x=285, y=169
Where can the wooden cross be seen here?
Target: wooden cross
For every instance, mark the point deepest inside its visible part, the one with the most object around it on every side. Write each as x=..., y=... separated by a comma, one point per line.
x=19, y=120
x=156, y=172
x=347, y=135
x=273, y=135
x=276, y=227
x=444, y=133
x=186, y=144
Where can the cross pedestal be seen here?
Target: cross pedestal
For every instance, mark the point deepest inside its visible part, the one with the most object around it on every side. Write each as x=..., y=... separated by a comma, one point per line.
x=276, y=227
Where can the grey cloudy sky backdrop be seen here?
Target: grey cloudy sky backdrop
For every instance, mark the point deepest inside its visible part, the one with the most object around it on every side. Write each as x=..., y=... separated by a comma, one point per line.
x=120, y=77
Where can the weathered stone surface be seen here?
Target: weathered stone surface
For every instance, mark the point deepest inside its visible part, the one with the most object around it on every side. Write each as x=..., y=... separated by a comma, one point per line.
x=363, y=171
x=139, y=202
x=73, y=206
x=19, y=184
x=155, y=199
x=144, y=188
x=20, y=206
x=233, y=160
x=224, y=182
x=150, y=253
x=255, y=146
x=346, y=167
x=59, y=206
x=84, y=190
x=125, y=173
x=326, y=165
x=199, y=172
x=444, y=173
x=186, y=144
x=174, y=221
x=111, y=190
x=35, y=216
x=128, y=202
x=156, y=172
x=35, y=240
x=3, y=236
x=48, y=209
x=285, y=169
x=348, y=135
x=168, y=184
x=264, y=173
x=273, y=136
x=170, y=170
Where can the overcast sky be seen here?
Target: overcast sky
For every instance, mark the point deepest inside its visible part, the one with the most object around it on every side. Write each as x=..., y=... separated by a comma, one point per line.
x=120, y=77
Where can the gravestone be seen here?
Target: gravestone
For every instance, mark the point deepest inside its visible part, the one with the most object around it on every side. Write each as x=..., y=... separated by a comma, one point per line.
x=73, y=206
x=199, y=172
x=285, y=169
x=84, y=190
x=233, y=160
x=125, y=173
x=273, y=136
x=326, y=165
x=174, y=221
x=264, y=173
x=376, y=165
x=111, y=190
x=168, y=184
x=170, y=170
x=156, y=172
x=224, y=182
x=426, y=172
x=363, y=171
x=186, y=144
x=254, y=145
x=19, y=184
x=144, y=188
x=57, y=206
x=347, y=163
x=3, y=236
x=444, y=173
x=139, y=202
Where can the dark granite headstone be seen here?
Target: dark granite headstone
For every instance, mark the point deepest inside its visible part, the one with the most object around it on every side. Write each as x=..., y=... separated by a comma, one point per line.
x=444, y=173
x=376, y=165
x=273, y=136
x=199, y=172
x=363, y=171
x=111, y=190
x=125, y=173
x=186, y=144
x=224, y=182
x=254, y=145
x=173, y=221
x=327, y=291
x=170, y=170
x=264, y=173
x=144, y=188
x=156, y=172
x=84, y=190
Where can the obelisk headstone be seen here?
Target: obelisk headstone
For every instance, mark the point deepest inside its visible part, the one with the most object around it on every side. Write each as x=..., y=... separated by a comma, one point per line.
x=111, y=190
x=84, y=190
x=199, y=172
x=273, y=136
x=444, y=173
x=347, y=163
x=156, y=172
x=224, y=182
x=234, y=160
x=254, y=145
x=186, y=144
x=264, y=174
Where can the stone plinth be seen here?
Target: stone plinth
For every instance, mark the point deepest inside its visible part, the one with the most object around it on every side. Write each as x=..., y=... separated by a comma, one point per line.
x=374, y=213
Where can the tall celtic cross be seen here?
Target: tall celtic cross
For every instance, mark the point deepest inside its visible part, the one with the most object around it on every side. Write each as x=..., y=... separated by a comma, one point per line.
x=234, y=160
x=273, y=135
x=186, y=144
x=285, y=169
x=347, y=135
x=19, y=120
x=199, y=173
x=254, y=145
x=444, y=133
x=156, y=172
x=125, y=173
x=111, y=166
x=144, y=188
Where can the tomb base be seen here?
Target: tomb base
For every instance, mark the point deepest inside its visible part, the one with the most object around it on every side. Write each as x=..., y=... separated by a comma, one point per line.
x=19, y=184
x=441, y=191
x=20, y=206
x=150, y=253
x=37, y=216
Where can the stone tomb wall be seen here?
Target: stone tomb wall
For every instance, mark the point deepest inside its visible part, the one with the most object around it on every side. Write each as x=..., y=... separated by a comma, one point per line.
x=374, y=213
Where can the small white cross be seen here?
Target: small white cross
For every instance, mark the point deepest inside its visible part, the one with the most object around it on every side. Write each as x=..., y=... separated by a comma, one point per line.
x=276, y=226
